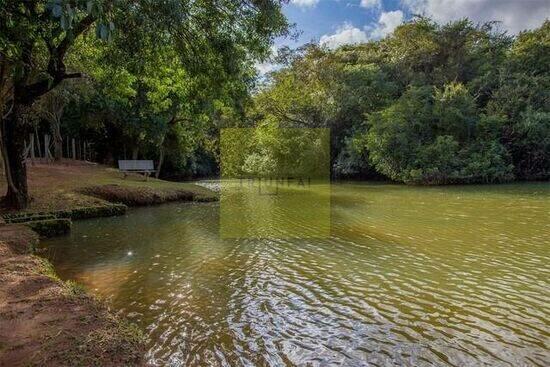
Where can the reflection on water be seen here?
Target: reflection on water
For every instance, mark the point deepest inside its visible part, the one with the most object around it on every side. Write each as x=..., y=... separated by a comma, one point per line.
x=291, y=208
x=409, y=276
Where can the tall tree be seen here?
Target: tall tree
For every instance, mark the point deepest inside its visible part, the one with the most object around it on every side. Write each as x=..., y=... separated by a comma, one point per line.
x=37, y=35
x=428, y=104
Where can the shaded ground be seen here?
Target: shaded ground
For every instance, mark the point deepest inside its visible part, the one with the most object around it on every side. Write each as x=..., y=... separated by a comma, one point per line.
x=44, y=321
x=67, y=185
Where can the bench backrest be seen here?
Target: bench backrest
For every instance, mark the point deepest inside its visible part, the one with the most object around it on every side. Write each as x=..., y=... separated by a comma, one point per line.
x=131, y=165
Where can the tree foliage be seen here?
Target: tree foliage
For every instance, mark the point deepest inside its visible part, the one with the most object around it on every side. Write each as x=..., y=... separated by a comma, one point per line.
x=150, y=52
x=429, y=104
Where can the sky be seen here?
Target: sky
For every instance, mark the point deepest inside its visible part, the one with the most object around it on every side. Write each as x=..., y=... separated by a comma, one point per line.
x=336, y=22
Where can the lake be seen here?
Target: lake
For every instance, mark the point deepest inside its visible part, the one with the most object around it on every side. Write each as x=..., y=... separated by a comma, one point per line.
x=411, y=276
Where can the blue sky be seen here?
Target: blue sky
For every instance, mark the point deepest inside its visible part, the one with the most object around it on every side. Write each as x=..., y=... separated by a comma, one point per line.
x=327, y=16
x=368, y=19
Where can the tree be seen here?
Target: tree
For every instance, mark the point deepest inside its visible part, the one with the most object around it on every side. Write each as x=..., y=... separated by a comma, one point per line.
x=429, y=104
x=435, y=136
x=158, y=105
x=321, y=88
x=522, y=100
x=51, y=107
x=37, y=36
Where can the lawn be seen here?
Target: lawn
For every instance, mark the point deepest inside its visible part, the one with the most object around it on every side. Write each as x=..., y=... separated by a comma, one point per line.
x=70, y=184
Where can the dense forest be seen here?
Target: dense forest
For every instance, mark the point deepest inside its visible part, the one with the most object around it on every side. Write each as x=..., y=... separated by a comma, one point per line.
x=428, y=104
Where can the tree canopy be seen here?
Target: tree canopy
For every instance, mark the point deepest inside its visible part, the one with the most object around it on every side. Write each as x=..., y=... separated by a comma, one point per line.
x=429, y=104
x=153, y=58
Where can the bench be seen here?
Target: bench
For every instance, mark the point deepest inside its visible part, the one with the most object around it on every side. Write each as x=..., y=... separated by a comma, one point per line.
x=136, y=166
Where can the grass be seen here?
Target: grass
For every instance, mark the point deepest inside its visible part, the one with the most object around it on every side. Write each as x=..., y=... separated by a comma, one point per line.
x=72, y=184
x=70, y=287
x=46, y=268
x=74, y=289
x=137, y=196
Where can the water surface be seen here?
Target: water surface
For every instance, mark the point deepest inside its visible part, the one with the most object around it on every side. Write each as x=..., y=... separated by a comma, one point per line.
x=409, y=276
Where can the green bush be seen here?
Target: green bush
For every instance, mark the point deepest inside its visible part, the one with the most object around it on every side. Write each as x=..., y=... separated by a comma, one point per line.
x=51, y=227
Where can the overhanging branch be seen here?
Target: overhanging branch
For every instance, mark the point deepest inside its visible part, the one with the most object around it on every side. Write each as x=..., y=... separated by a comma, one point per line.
x=56, y=64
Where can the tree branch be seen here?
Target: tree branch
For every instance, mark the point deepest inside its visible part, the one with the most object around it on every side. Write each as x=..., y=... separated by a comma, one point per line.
x=83, y=25
x=73, y=75
x=56, y=64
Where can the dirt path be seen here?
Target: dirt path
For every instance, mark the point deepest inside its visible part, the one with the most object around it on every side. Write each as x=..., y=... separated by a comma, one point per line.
x=46, y=322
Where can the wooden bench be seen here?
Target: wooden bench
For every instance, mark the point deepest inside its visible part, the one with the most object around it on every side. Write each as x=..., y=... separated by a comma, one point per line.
x=136, y=166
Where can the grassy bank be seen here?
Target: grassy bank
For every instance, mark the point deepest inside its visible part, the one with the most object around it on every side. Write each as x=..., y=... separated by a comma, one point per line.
x=73, y=184
x=45, y=321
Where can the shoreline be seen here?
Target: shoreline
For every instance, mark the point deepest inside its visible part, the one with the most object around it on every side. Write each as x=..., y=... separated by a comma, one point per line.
x=47, y=321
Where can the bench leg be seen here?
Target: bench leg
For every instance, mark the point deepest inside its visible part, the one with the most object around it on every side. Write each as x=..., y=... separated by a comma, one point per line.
x=123, y=175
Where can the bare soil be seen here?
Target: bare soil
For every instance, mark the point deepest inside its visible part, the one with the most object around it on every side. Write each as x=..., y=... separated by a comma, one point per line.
x=47, y=322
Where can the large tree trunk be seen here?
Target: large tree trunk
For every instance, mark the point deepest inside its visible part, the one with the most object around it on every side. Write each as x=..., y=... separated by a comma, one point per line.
x=57, y=141
x=135, y=153
x=14, y=131
x=13, y=150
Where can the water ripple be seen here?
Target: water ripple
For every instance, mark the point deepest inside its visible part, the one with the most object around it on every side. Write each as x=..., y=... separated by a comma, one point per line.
x=410, y=276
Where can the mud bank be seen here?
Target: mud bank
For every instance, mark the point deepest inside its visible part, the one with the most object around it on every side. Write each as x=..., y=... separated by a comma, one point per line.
x=45, y=321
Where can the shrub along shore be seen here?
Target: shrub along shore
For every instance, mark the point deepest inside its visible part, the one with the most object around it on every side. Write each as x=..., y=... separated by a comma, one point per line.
x=43, y=320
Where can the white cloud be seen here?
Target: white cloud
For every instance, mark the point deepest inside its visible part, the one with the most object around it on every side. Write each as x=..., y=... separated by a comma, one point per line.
x=305, y=3
x=371, y=4
x=268, y=66
x=387, y=22
x=345, y=34
x=516, y=15
x=265, y=67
